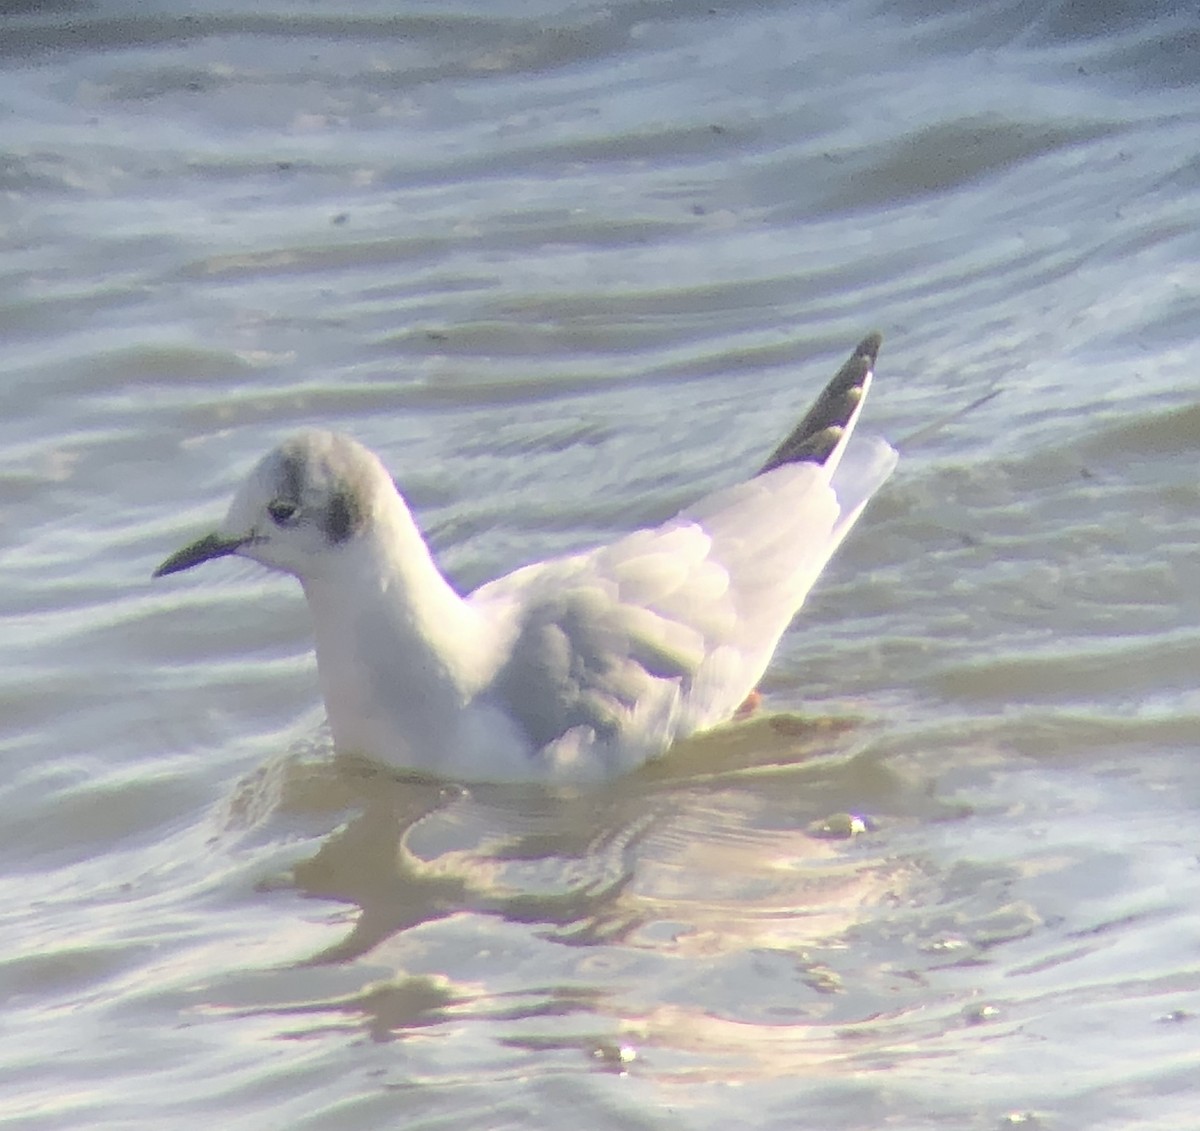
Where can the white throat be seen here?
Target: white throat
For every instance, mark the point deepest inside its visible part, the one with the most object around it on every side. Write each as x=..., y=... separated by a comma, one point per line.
x=398, y=651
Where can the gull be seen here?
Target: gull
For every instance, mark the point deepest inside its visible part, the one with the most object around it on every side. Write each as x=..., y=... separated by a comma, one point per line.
x=574, y=669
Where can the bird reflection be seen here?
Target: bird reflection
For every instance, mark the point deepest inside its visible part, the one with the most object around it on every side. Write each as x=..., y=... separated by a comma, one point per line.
x=710, y=852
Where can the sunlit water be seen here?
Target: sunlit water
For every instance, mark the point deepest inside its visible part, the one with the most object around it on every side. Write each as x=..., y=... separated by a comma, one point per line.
x=566, y=267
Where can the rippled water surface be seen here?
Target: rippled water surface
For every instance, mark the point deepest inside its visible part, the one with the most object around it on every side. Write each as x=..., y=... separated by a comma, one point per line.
x=566, y=266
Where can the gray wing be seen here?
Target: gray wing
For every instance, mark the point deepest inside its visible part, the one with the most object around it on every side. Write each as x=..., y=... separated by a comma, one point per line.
x=590, y=667
x=667, y=630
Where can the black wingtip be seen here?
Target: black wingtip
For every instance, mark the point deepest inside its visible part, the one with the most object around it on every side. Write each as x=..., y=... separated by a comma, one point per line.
x=815, y=437
x=869, y=347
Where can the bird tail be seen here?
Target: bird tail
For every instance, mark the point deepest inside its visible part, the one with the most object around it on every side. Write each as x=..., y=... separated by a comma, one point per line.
x=866, y=465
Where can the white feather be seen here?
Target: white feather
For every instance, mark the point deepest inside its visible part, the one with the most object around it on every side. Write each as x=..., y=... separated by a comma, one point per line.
x=575, y=668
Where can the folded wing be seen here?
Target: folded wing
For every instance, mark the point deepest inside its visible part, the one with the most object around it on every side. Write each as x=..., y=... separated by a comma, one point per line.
x=664, y=632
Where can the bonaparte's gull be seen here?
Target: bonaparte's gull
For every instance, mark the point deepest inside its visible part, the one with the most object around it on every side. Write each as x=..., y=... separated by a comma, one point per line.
x=576, y=668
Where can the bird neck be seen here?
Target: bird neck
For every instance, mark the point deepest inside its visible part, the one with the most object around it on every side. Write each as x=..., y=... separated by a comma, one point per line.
x=392, y=636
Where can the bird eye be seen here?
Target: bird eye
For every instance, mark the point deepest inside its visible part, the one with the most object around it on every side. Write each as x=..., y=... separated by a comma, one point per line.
x=281, y=510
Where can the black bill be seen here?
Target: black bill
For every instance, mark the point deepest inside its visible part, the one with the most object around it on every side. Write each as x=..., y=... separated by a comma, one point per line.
x=209, y=547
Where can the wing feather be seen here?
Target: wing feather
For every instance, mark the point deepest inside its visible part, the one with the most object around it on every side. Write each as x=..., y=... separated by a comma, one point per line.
x=672, y=626
x=617, y=652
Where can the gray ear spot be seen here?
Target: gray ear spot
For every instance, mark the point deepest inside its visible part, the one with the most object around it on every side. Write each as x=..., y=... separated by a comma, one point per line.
x=342, y=518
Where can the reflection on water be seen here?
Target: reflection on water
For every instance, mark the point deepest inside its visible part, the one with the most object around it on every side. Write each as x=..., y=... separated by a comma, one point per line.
x=679, y=863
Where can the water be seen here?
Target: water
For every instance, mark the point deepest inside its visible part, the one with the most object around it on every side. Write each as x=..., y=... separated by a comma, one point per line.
x=566, y=267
